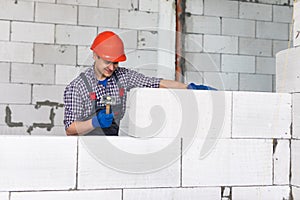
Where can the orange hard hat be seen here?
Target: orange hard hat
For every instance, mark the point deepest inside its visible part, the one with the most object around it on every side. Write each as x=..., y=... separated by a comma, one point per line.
x=109, y=46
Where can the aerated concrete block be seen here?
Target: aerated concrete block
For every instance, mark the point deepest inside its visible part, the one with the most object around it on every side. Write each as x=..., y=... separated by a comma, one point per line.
x=5, y=72
x=296, y=192
x=56, y=13
x=172, y=193
x=295, y=163
x=123, y=162
x=37, y=163
x=287, y=70
x=32, y=32
x=268, y=192
x=17, y=11
x=32, y=73
x=297, y=24
x=55, y=54
x=179, y=113
x=72, y=35
x=15, y=93
x=4, y=195
x=227, y=162
x=296, y=116
x=281, y=162
x=261, y=115
x=52, y=93
x=93, y=16
x=16, y=52
x=68, y=195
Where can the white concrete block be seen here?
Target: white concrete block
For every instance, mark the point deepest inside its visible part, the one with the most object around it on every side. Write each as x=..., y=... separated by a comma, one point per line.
x=194, y=7
x=172, y=193
x=19, y=113
x=32, y=73
x=54, y=54
x=5, y=130
x=220, y=44
x=69, y=195
x=255, y=11
x=272, y=30
x=31, y=163
x=79, y=2
x=128, y=36
x=281, y=162
x=15, y=93
x=296, y=115
x=16, y=52
x=194, y=77
x=227, y=162
x=65, y=73
x=55, y=131
x=255, y=47
x=261, y=115
x=85, y=56
x=282, y=14
x=163, y=113
x=287, y=70
x=296, y=192
x=75, y=35
x=48, y=1
x=16, y=11
x=296, y=28
x=32, y=32
x=265, y=65
x=138, y=20
x=5, y=72
x=277, y=2
x=295, y=163
x=222, y=81
x=53, y=93
x=203, y=24
x=4, y=30
x=141, y=59
x=202, y=62
x=131, y=163
x=268, y=192
x=92, y=16
x=279, y=46
x=193, y=43
x=147, y=40
x=55, y=13
x=238, y=63
x=148, y=5
x=122, y=4
x=221, y=8
x=238, y=27
x=4, y=195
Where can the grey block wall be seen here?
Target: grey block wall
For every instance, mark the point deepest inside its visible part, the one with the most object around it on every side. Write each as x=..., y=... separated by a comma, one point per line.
x=244, y=36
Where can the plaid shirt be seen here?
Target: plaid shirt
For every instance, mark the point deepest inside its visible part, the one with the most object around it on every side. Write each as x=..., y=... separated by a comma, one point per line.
x=78, y=106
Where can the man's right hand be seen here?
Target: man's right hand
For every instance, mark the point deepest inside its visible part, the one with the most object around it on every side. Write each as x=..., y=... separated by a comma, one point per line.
x=102, y=119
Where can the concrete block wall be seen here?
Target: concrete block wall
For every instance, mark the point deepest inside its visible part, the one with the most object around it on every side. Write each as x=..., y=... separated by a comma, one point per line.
x=243, y=36
x=207, y=149
x=44, y=44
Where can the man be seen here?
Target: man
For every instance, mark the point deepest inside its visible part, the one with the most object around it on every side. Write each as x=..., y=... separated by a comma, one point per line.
x=85, y=112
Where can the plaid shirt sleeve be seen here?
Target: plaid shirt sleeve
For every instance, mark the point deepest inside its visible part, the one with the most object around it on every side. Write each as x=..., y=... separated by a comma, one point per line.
x=136, y=79
x=73, y=105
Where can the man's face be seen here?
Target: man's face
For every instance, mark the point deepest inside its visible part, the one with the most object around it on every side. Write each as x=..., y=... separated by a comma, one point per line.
x=104, y=68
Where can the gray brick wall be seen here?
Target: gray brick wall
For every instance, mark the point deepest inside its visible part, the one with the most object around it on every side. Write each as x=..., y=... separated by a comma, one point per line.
x=245, y=35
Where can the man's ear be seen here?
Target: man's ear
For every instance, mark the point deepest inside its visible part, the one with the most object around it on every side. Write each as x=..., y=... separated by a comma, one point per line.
x=94, y=56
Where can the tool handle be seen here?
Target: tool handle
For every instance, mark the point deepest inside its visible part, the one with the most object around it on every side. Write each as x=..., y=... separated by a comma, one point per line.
x=107, y=108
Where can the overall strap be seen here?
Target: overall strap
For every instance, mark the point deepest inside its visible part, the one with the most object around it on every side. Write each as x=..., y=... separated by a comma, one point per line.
x=92, y=94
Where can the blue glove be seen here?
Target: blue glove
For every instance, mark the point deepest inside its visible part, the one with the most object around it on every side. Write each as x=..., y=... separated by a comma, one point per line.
x=193, y=86
x=102, y=119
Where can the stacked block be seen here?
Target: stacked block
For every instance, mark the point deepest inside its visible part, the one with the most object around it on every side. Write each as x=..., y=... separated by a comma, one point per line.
x=189, y=144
